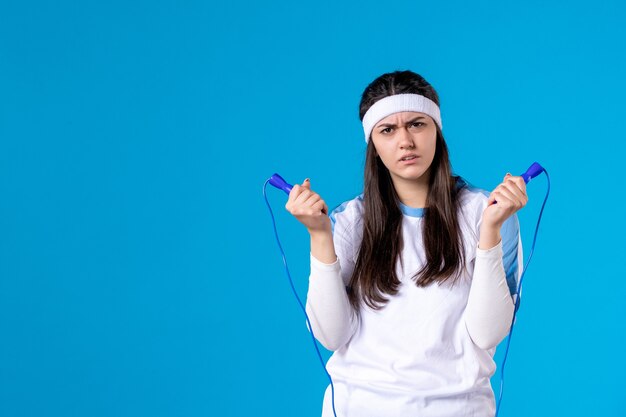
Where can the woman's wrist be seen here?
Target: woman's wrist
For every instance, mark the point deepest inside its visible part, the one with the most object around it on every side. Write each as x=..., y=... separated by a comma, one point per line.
x=322, y=246
x=489, y=236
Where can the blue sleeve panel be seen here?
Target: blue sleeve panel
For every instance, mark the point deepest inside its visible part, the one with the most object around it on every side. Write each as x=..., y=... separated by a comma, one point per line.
x=512, y=253
x=335, y=211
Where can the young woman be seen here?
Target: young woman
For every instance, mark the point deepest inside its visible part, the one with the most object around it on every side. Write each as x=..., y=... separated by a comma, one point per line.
x=413, y=282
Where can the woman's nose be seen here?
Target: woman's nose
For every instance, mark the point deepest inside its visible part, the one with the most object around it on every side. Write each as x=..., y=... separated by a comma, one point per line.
x=406, y=140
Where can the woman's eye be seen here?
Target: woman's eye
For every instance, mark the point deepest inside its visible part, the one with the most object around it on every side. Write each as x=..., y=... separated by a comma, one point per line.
x=417, y=123
x=386, y=130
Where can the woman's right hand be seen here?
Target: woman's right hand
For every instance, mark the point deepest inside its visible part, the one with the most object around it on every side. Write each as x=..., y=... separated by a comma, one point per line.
x=309, y=208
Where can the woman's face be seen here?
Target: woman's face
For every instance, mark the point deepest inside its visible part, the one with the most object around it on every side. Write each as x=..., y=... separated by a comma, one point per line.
x=404, y=133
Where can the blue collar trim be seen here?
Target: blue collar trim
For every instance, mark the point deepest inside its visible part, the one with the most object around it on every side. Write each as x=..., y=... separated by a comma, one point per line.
x=412, y=211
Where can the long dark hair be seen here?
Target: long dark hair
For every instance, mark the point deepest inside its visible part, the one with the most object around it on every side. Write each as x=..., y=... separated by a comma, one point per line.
x=375, y=270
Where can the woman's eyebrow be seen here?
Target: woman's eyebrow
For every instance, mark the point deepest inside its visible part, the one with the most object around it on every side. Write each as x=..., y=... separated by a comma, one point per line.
x=392, y=125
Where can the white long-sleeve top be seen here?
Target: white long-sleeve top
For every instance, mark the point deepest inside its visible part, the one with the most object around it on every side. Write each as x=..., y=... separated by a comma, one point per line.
x=429, y=351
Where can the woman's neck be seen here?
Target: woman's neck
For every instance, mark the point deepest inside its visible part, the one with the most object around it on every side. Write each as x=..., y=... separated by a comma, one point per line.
x=412, y=193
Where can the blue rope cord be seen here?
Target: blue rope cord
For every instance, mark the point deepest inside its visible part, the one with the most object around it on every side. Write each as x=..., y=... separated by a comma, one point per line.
x=298, y=298
x=517, y=301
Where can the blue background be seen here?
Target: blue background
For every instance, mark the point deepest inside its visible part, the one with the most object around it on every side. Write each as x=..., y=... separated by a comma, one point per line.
x=139, y=273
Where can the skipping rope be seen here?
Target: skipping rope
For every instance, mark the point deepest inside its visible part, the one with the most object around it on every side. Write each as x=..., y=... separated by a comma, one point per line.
x=277, y=181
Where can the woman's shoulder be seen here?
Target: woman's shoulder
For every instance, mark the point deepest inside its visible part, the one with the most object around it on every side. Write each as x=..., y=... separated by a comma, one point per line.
x=348, y=212
x=471, y=196
x=474, y=201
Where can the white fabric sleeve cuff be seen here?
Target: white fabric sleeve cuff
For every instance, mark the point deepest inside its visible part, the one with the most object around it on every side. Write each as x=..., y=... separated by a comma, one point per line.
x=315, y=263
x=489, y=309
x=327, y=305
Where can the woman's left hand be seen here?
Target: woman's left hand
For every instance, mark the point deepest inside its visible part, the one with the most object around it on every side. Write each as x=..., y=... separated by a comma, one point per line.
x=510, y=196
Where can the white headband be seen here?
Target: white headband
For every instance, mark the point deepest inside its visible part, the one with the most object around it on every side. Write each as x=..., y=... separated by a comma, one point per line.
x=398, y=103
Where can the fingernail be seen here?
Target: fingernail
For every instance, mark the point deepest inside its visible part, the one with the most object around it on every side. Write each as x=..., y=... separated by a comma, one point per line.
x=306, y=180
x=508, y=174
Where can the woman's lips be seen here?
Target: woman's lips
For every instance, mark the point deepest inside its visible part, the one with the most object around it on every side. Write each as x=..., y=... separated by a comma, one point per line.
x=409, y=161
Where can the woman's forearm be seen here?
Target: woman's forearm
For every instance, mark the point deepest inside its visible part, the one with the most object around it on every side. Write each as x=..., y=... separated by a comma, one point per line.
x=327, y=304
x=490, y=307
